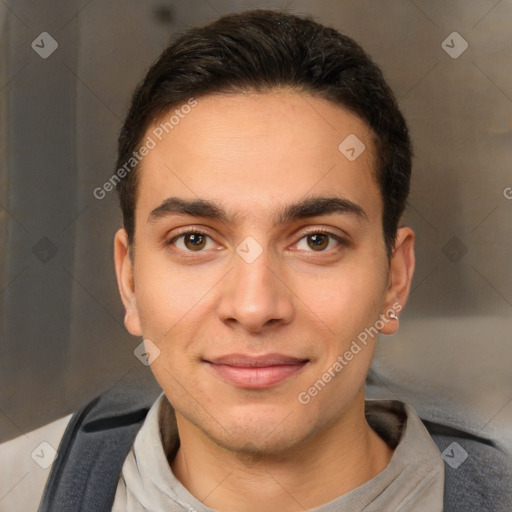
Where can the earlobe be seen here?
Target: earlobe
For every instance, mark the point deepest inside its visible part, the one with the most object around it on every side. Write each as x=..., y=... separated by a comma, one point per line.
x=401, y=270
x=124, y=273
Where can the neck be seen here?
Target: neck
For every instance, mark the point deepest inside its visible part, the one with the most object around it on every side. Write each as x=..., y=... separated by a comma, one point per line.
x=301, y=478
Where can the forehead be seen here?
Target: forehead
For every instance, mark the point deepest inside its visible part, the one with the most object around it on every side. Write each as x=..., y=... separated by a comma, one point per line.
x=256, y=152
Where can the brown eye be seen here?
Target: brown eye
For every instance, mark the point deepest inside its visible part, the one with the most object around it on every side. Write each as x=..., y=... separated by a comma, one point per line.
x=318, y=241
x=194, y=241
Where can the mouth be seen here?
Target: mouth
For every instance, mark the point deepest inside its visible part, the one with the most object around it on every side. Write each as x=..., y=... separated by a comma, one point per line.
x=259, y=372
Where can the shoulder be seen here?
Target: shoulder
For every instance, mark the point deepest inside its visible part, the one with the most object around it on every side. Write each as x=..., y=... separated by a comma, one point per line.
x=25, y=464
x=478, y=475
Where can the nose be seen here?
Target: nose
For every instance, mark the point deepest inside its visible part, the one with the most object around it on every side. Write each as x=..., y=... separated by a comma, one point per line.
x=254, y=296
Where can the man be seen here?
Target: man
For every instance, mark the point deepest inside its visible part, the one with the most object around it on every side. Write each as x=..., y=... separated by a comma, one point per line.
x=263, y=169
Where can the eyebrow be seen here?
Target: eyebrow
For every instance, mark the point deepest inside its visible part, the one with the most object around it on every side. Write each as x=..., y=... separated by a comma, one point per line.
x=310, y=207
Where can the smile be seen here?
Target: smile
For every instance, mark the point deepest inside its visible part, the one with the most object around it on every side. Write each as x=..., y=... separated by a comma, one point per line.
x=255, y=372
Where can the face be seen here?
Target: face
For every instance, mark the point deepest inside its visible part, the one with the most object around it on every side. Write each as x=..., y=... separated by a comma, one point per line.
x=259, y=259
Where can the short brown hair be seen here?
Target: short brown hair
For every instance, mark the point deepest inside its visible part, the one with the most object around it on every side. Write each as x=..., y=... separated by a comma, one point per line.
x=261, y=50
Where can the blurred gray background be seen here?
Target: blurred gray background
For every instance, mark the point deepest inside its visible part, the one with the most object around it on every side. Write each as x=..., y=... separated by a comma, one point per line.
x=62, y=340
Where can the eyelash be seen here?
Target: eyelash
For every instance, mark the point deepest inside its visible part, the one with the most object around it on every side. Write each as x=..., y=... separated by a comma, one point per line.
x=343, y=242
x=337, y=238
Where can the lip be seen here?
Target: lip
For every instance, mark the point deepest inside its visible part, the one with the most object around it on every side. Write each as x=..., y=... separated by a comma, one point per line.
x=256, y=372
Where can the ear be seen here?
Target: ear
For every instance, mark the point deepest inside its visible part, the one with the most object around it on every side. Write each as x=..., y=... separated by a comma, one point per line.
x=401, y=270
x=125, y=282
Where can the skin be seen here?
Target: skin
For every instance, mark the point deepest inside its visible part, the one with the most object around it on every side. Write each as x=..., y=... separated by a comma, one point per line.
x=253, y=155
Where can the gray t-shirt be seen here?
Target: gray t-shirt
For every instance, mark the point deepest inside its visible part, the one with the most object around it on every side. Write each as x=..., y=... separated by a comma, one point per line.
x=412, y=481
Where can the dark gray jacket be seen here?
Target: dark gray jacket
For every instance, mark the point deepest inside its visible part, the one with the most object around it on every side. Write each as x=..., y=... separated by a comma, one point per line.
x=98, y=438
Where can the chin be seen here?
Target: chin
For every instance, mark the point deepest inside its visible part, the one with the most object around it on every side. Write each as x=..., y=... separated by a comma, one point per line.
x=250, y=439
x=262, y=429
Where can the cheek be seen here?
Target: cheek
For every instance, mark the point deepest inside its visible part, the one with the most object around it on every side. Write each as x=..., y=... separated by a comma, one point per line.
x=347, y=298
x=167, y=295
